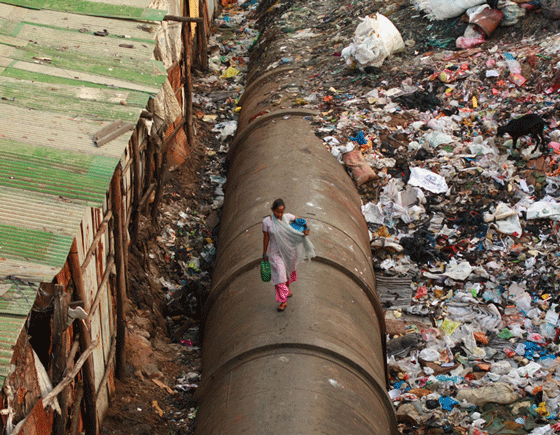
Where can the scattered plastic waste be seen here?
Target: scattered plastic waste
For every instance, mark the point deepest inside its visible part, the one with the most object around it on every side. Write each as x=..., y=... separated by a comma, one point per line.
x=374, y=40
x=470, y=224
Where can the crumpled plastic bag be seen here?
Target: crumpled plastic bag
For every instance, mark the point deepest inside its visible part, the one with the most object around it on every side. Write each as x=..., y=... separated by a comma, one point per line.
x=230, y=72
x=373, y=213
x=338, y=151
x=393, y=204
x=545, y=208
x=444, y=9
x=480, y=147
x=361, y=171
x=436, y=138
x=466, y=309
x=458, y=271
x=498, y=392
x=512, y=12
x=486, y=18
x=225, y=129
x=375, y=39
x=428, y=180
x=505, y=219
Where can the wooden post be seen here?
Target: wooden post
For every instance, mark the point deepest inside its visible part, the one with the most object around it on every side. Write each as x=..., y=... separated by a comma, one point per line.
x=202, y=37
x=187, y=42
x=76, y=409
x=137, y=183
x=110, y=359
x=206, y=16
x=84, y=327
x=60, y=354
x=162, y=175
x=150, y=161
x=116, y=205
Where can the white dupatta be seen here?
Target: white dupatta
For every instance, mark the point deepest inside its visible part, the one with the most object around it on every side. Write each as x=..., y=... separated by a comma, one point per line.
x=292, y=244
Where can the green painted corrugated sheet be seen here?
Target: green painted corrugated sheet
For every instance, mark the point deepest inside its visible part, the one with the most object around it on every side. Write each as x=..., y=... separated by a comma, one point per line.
x=83, y=7
x=59, y=85
x=15, y=305
x=74, y=176
x=63, y=84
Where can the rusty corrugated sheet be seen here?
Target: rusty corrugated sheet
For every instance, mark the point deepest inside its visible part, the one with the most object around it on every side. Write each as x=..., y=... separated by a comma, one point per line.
x=39, y=421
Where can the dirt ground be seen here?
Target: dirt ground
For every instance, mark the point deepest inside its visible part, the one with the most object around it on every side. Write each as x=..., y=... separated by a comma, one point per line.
x=148, y=402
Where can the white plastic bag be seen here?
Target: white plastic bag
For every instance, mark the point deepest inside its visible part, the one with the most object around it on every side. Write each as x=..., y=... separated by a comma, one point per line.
x=505, y=219
x=437, y=138
x=458, y=271
x=428, y=180
x=226, y=128
x=375, y=39
x=545, y=208
x=444, y=9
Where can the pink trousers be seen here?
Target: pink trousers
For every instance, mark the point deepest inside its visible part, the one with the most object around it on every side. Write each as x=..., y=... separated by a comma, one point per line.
x=282, y=290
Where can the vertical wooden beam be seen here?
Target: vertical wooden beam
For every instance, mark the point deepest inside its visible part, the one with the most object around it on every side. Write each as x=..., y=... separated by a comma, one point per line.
x=162, y=175
x=84, y=326
x=76, y=409
x=60, y=355
x=207, y=18
x=187, y=42
x=202, y=36
x=116, y=205
x=149, y=162
x=137, y=186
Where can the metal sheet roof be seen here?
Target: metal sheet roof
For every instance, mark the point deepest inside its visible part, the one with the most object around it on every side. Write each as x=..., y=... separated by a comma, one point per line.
x=16, y=299
x=68, y=68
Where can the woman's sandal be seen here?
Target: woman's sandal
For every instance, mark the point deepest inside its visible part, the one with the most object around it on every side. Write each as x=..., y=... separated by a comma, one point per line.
x=282, y=306
x=290, y=295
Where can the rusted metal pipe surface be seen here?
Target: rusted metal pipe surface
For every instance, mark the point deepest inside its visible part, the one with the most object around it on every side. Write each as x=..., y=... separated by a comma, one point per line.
x=320, y=366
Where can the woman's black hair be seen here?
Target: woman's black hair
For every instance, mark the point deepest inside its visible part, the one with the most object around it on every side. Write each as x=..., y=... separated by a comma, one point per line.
x=278, y=203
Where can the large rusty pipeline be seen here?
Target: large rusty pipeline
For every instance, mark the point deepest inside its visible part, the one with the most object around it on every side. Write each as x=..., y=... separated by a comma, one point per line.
x=320, y=366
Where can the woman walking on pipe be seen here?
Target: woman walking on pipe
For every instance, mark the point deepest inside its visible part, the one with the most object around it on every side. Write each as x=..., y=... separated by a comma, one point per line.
x=288, y=246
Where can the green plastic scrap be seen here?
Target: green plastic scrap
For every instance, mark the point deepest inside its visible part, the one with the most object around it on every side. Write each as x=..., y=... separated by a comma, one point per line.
x=505, y=334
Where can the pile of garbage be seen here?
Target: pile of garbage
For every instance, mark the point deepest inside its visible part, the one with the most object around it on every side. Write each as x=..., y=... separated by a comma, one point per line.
x=484, y=16
x=185, y=248
x=464, y=226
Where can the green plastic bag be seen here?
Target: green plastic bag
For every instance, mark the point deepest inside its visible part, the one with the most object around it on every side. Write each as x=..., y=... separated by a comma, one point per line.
x=265, y=271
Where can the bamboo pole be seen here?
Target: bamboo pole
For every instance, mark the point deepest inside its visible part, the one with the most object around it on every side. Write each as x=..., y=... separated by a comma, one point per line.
x=100, y=231
x=150, y=161
x=70, y=376
x=162, y=175
x=116, y=205
x=97, y=300
x=202, y=37
x=182, y=19
x=76, y=409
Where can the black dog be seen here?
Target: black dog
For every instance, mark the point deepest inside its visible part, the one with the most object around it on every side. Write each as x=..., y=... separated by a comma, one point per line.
x=528, y=124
